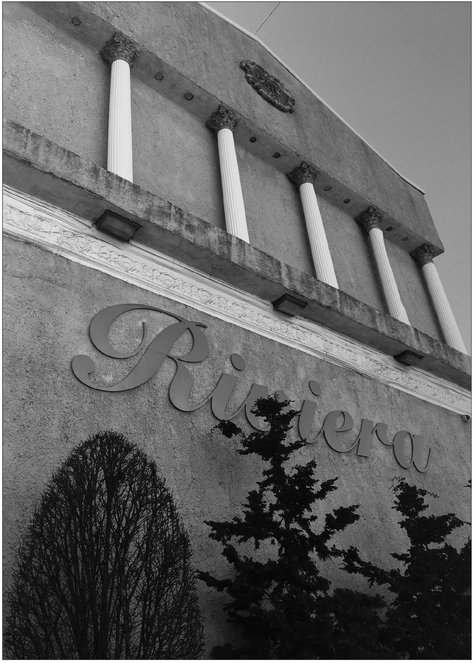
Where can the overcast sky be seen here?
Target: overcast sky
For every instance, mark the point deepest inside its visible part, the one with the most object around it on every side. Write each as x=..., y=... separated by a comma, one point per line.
x=399, y=74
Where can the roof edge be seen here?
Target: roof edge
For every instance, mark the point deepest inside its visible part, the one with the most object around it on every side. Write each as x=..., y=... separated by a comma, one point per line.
x=300, y=80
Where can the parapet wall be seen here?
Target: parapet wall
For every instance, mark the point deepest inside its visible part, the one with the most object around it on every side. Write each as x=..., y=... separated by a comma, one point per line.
x=197, y=51
x=41, y=168
x=57, y=84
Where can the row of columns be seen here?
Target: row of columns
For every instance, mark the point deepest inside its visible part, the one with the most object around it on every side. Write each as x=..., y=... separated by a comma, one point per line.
x=371, y=221
x=120, y=52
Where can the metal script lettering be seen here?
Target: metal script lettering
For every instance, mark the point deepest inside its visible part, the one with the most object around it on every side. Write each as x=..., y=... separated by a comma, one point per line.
x=307, y=413
x=403, y=458
x=421, y=456
x=382, y=434
x=364, y=438
x=154, y=356
x=330, y=429
x=408, y=449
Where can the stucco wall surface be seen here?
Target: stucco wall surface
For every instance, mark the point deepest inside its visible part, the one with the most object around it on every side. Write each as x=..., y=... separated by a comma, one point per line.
x=54, y=85
x=274, y=212
x=197, y=46
x=413, y=291
x=43, y=169
x=59, y=87
x=210, y=50
x=175, y=155
x=49, y=302
x=354, y=265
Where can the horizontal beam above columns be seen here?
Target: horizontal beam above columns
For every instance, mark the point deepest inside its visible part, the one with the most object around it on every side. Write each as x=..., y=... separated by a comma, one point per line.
x=28, y=219
x=45, y=170
x=351, y=175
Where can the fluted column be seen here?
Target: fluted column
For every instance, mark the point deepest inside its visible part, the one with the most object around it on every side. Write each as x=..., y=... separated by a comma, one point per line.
x=120, y=52
x=304, y=177
x=424, y=255
x=371, y=220
x=224, y=122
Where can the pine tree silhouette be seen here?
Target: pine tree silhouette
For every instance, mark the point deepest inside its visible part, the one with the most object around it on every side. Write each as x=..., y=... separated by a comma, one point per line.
x=281, y=603
x=430, y=615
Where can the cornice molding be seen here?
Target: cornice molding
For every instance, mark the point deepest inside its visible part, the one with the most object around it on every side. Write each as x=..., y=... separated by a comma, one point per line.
x=72, y=237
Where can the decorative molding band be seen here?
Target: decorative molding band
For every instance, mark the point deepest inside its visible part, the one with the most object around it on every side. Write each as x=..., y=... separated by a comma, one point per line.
x=70, y=236
x=269, y=87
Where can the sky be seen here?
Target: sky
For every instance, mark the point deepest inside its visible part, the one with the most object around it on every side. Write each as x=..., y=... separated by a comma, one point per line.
x=399, y=73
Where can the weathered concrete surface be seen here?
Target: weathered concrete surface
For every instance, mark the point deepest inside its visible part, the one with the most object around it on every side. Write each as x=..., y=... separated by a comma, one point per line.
x=413, y=291
x=194, y=47
x=56, y=84
x=274, y=213
x=351, y=257
x=43, y=169
x=53, y=84
x=49, y=302
x=347, y=256
x=175, y=155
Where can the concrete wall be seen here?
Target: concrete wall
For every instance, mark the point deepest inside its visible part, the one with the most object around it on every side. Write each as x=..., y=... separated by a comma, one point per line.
x=54, y=85
x=49, y=302
x=351, y=252
x=274, y=212
x=413, y=291
x=57, y=86
x=175, y=155
x=209, y=50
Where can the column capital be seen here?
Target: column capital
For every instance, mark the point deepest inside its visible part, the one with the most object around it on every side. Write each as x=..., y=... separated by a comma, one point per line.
x=424, y=254
x=303, y=173
x=369, y=218
x=120, y=47
x=222, y=118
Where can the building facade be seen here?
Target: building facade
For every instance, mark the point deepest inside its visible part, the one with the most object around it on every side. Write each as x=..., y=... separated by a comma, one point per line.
x=187, y=227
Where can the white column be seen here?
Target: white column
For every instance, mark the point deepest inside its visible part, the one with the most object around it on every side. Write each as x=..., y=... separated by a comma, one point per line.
x=120, y=52
x=119, y=138
x=370, y=220
x=230, y=180
x=223, y=122
x=304, y=176
x=424, y=256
